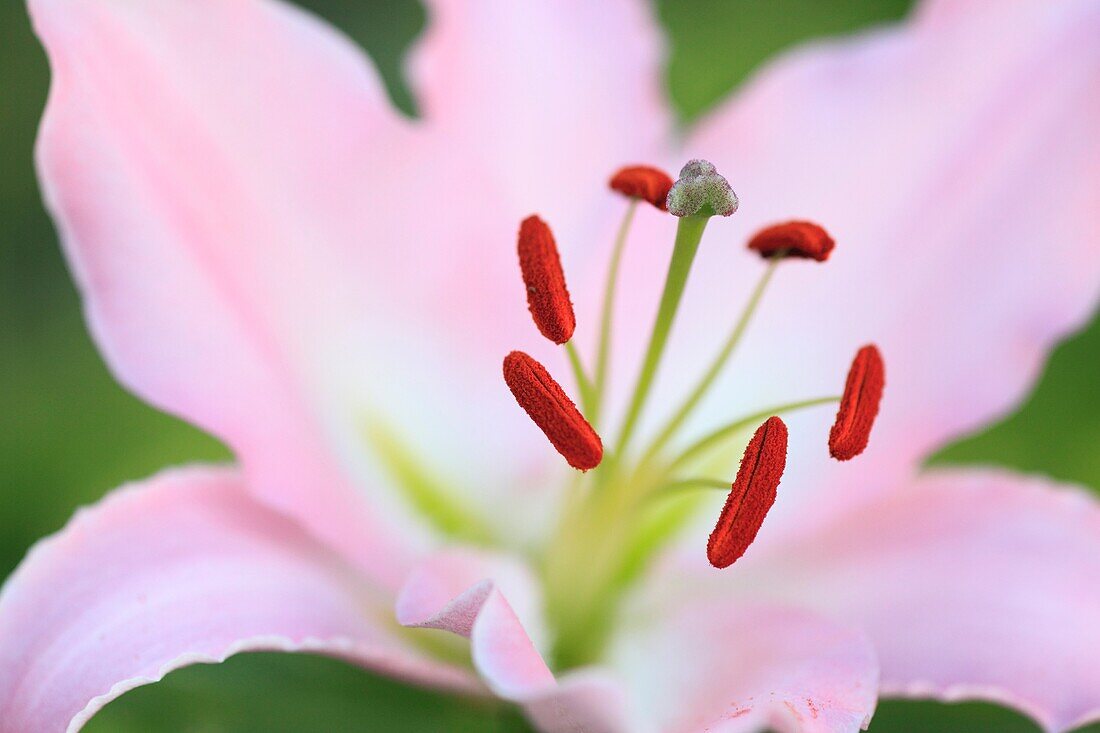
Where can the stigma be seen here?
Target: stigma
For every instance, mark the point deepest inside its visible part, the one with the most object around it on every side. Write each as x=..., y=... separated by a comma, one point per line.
x=700, y=190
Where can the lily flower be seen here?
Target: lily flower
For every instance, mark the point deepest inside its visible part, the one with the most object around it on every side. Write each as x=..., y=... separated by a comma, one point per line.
x=267, y=249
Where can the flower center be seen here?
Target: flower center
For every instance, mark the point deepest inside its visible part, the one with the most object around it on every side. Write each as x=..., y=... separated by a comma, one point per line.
x=630, y=501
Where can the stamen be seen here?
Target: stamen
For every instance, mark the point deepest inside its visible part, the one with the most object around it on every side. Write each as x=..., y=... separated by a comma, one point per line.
x=551, y=409
x=717, y=436
x=793, y=239
x=547, y=296
x=752, y=494
x=859, y=405
x=584, y=384
x=716, y=366
x=692, y=483
x=603, y=354
x=643, y=182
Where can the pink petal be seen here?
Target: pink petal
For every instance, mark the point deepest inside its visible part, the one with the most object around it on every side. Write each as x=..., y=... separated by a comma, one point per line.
x=954, y=161
x=548, y=99
x=552, y=97
x=525, y=108
x=257, y=233
x=196, y=157
x=181, y=569
x=588, y=700
x=449, y=574
x=970, y=584
x=720, y=666
x=473, y=595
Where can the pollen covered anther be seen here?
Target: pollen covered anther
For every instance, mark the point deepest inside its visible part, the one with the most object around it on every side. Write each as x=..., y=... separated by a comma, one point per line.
x=859, y=405
x=643, y=182
x=793, y=239
x=752, y=494
x=551, y=409
x=547, y=296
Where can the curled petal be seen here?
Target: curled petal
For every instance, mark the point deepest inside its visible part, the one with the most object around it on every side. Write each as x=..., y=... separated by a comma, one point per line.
x=181, y=569
x=477, y=596
x=972, y=585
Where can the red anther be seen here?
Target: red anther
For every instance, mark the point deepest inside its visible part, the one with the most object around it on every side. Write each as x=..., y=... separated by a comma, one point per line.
x=795, y=239
x=859, y=405
x=551, y=409
x=752, y=494
x=547, y=296
x=643, y=182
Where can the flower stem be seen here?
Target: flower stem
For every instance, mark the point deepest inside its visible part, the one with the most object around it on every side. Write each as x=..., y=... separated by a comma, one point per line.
x=715, y=437
x=719, y=362
x=688, y=235
x=604, y=348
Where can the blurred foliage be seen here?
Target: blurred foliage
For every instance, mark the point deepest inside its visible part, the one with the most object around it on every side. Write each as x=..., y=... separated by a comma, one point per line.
x=716, y=44
x=385, y=31
x=1057, y=431
x=69, y=433
x=281, y=693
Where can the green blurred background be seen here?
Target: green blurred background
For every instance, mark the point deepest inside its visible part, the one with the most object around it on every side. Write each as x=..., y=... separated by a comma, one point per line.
x=68, y=433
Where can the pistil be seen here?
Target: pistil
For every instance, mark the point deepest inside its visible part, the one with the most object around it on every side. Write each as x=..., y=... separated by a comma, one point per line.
x=699, y=193
x=688, y=235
